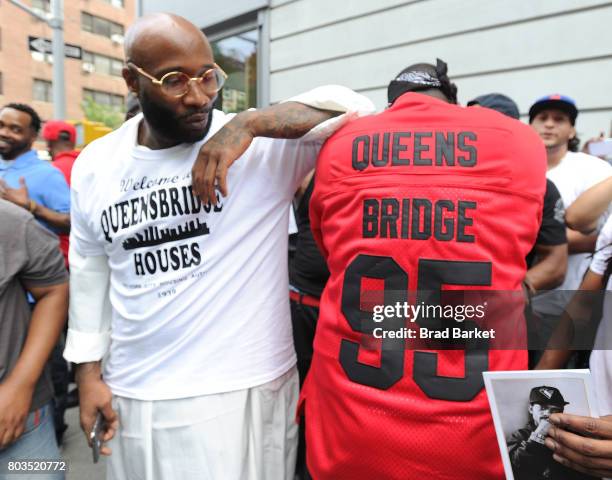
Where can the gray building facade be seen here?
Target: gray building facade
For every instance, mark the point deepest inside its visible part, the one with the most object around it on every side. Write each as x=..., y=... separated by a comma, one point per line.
x=523, y=48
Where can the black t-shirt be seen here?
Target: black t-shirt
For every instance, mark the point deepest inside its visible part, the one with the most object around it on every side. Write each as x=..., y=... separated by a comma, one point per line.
x=307, y=271
x=552, y=230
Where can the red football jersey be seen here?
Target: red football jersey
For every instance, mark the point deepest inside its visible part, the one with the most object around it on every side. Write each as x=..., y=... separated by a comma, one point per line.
x=423, y=197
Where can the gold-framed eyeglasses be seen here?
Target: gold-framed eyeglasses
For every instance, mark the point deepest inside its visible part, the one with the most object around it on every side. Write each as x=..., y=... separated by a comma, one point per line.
x=176, y=84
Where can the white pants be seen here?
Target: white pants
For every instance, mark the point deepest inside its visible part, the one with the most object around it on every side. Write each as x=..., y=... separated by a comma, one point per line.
x=242, y=435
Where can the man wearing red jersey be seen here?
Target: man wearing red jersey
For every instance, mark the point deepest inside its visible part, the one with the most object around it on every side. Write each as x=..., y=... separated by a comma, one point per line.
x=424, y=197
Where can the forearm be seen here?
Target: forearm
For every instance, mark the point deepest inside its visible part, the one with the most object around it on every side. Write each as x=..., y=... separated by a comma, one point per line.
x=584, y=213
x=580, y=243
x=61, y=221
x=545, y=275
x=550, y=267
x=48, y=319
x=85, y=372
x=284, y=120
x=553, y=359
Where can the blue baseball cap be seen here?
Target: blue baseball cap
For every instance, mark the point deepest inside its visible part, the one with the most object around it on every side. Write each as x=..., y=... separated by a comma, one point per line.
x=555, y=101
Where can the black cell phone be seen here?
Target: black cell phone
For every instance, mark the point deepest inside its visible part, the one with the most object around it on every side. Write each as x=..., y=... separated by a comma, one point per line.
x=96, y=435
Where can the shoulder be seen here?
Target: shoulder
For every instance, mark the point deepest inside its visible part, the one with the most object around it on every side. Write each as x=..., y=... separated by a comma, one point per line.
x=99, y=155
x=12, y=213
x=580, y=160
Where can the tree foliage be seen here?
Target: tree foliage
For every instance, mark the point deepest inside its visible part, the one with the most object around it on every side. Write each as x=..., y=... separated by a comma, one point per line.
x=108, y=115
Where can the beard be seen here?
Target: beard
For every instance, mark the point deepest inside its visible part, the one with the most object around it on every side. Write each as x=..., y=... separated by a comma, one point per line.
x=14, y=148
x=165, y=121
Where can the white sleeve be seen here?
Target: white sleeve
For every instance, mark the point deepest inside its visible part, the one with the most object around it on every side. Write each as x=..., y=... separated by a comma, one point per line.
x=89, y=315
x=603, y=249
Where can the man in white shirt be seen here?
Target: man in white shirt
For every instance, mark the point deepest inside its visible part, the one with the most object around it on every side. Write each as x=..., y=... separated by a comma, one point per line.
x=554, y=118
x=188, y=298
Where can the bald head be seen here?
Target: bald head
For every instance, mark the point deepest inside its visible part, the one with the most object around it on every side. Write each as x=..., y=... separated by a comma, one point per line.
x=163, y=36
x=156, y=46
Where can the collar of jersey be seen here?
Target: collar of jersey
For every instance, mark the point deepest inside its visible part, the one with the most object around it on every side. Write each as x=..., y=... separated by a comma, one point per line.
x=415, y=98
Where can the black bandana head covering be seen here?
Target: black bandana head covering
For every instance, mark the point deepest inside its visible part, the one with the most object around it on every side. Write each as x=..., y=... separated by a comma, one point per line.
x=422, y=76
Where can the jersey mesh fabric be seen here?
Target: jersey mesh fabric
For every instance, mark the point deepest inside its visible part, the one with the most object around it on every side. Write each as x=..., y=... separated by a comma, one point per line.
x=357, y=431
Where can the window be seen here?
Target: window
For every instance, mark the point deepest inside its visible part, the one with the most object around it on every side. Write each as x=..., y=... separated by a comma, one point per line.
x=100, y=26
x=42, y=91
x=115, y=3
x=104, y=98
x=41, y=6
x=237, y=55
x=102, y=64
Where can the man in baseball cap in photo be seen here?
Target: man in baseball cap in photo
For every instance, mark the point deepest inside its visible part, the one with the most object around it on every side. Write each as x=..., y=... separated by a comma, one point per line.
x=547, y=396
x=530, y=458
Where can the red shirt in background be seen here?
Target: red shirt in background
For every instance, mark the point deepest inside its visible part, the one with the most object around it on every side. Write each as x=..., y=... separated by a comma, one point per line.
x=63, y=162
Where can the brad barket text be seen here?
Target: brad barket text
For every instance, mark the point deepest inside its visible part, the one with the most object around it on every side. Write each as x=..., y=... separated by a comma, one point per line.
x=435, y=334
x=459, y=313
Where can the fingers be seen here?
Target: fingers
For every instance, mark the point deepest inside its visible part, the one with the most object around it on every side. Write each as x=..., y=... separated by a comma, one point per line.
x=599, y=473
x=582, y=453
x=87, y=423
x=569, y=444
x=221, y=178
x=601, y=467
x=203, y=175
x=22, y=182
x=587, y=426
x=109, y=414
x=6, y=436
x=104, y=450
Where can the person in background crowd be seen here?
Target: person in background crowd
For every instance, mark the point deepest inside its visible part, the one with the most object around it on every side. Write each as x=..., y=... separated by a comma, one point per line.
x=61, y=142
x=554, y=117
x=36, y=186
x=389, y=210
x=547, y=261
x=192, y=292
x=308, y=275
x=585, y=443
x=31, y=261
x=26, y=180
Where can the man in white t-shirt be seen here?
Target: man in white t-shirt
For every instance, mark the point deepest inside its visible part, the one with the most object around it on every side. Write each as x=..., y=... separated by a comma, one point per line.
x=188, y=299
x=554, y=118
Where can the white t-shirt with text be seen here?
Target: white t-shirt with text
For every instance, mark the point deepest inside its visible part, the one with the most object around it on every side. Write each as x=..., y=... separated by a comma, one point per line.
x=198, y=292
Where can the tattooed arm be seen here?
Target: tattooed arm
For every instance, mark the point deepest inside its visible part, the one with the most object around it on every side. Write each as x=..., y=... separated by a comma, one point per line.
x=284, y=120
